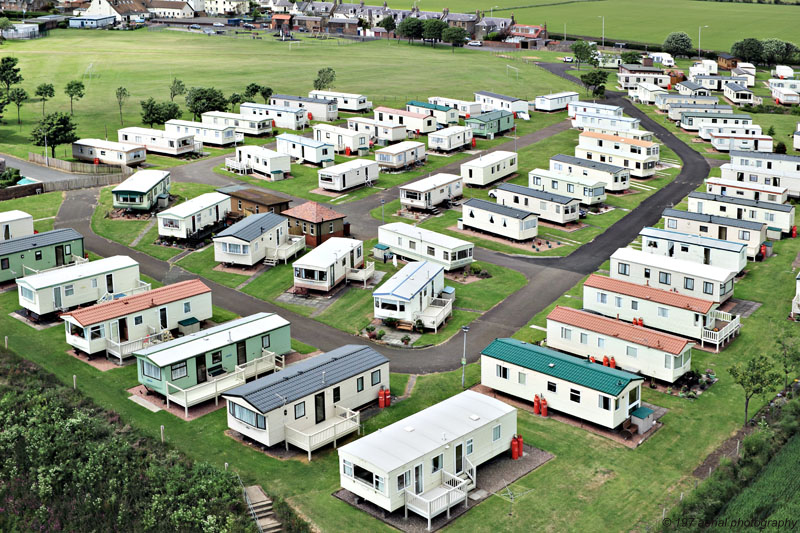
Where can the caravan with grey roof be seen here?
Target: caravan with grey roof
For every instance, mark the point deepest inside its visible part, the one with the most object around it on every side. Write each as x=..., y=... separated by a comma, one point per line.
x=547, y=205
x=697, y=248
x=255, y=239
x=779, y=218
x=498, y=219
x=614, y=178
x=751, y=234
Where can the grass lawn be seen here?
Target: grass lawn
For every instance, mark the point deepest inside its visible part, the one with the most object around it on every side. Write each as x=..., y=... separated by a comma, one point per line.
x=202, y=263
x=42, y=207
x=270, y=284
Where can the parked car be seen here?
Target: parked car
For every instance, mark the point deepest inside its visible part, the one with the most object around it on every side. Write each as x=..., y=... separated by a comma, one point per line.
x=475, y=43
x=302, y=29
x=249, y=26
x=219, y=24
x=194, y=27
x=568, y=59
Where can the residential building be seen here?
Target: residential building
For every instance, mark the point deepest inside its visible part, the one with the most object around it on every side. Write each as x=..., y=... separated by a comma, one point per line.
x=342, y=139
x=770, y=169
x=353, y=103
x=260, y=162
x=756, y=142
x=691, y=88
x=158, y=141
x=244, y=123
x=194, y=218
x=92, y=22
x=15, y=224
x=751, y=234
x=548, y=206
x=646, y=93
x=590, y=192
x=664, y=102
x=430, y=192
x=350, y=174
x=26, y=254
x=305, y=150
x=255, y=239
x=401, y=155
x=706, y=131
x=247, y=200
x=490, y=167
x=292, y=118
x=417, y=123
x=500, y=102
x=675, y=110
x=509, y=222
x=737, y=93
x=729, y=255
x=779, y=218
x=415, y=295
x=420, y=244
x=591, y=122
x=449, y=139
x=315, y=222
x=639, y=157
x=322, y=109
x=108, y=152
x=465, y=108
x=142, y=191
x=216, y=134
x=335, y=260
x=614, y=178
x=555, y=101
x=748, y=190
x=491, y=123
x=382, y=133
x=592, y=108
x=445, y=116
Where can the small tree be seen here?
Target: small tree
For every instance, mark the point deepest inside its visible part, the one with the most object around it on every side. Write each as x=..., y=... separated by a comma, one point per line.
x=202, y=99
x=45, y=91
x=788, y=354
x=749, y=50
x=583, y=51
x=410, y=28
x=17, y=96
x=388, y=24
x=755, y=376
x=780, y=148
x=265, y=93
x=9, y=73
x=325, y=78
x=594, y=79
x=158, y=113
x=771, y=131
x=432, y=30
x=235, y=99
x=122, y=95
x=54, y=129
x=631, y=57
x=251, y=91
x=454, y=36
x=75, y=90
x=678, y=43
x=6, y=24
x=176, y=88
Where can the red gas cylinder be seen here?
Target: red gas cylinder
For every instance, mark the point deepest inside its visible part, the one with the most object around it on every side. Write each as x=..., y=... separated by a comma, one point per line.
x=794, y=232
x=96, y=161
x=544, y=407
x=669, y=87
x=613, y=363
x=605, y=360
x=591, y=359
x=641, y=321
x=381, y=399
x=474, y=142
x=347, y=151
x=514, y=449
x=519, y=445
x=536, y=404
x=763, y=250
x=387, y=397
x=310, y=116
x=273, y=123
x=467, y=116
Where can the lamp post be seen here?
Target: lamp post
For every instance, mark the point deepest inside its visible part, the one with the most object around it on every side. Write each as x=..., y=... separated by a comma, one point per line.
x=565, y=31
x=604, y=29
x=383, y=221
x=699, y=35
x=491, y=10
x=465, y=329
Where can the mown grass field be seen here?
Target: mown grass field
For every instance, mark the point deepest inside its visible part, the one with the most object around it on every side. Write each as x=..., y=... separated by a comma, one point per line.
x=42, y=207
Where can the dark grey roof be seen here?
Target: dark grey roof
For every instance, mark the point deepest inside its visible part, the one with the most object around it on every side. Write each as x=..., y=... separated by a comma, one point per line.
x=725, y=55
x=685, y=105
x=461, y=16
x=498, y=96
x=765, y=155
x=692, y=86
x=307, y=377
x=772, y=206
x=250, y=228
x=713, y=219
x=303, y=99
x=636, y=67
x=740, y=116
x=542, y=195
x=586, y=163
x=736, y=87
x=38, y=240
x=504, y=210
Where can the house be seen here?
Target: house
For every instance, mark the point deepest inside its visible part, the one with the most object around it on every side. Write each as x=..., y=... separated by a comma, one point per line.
x=122, y=326
x=316, y=222
x=292, y=118
x=592, y=108
x=302, y=149
x=420, y=244
x=128, y=11
x=588, y=122
x=83, y=283
x=738, y=94
x=247, y=200
x=322, y=109
x=445, y=116
x=548, y=206
x=157, y=141
x=401, y=155
x=695, y=121
x=427, y=462
x=668, y=273
x=335, y=260
x=500, y=102
x=38, y=252
x=244, y=123
x=576, y=387
x=311, y=403
x=785, y=96
x=342, y=139
x=726, y=61
x=465, y=108
x=489, y=25
x=505, y=221
x=381, y=132
x=717, y=83
x=691, y=88
x=260, y=162
x=698, y=248
x=491, y=123
x=786, y=84
x=779, y=218
x=707, y=130
x=14, y=224
x=449, y=139
x=640, y=157
x=170, y=9
x=216, y=134
x=354, y=103
x=226, y=7
x=663, y=310
x=662, y=58
x=774, y=169
x=675, y=110
x=725, y=142
x=751, y=234
x=430, y=192
x=703, y=67
x=92, y=21
x=466, y=21
x=142, y=191
x=646, y=93
x=590, y=192
x=414, y=122
x=343, y=25
x=664, y=102
x=202, y=366
x=108, y=152
x=353, y=173
x=194, y=218
x=614, y=178
x=413, y=295
x=633, y=348
x=555, y=101
x=255, y=239
x=748, y=190
x=490, y=167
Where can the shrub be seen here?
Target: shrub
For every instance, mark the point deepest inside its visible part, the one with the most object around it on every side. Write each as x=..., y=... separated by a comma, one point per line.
x=475, y=269
x=370, y=328
x=380, y=334
x=390, y=322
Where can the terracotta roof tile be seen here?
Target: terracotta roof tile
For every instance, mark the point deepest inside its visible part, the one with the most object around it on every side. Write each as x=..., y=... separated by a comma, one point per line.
x=616, y=138
x=312, y=212
x=673, y=299
x=400, y=112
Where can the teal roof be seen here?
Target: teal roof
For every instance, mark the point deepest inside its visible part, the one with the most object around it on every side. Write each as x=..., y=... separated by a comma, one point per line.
x=562, y=366
x=642, y=412
x=380, y=246
x=188, y=321
x=426, y=105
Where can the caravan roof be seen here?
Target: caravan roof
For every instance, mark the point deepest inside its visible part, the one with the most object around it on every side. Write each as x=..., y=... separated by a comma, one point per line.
x=409, y=280
x=431, y=182
x=426, y=235
x=142, y=181
x=84, y=270
x=196, y=204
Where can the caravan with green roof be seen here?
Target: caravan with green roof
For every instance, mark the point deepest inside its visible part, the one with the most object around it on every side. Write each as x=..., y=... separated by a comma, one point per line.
x=444, y=115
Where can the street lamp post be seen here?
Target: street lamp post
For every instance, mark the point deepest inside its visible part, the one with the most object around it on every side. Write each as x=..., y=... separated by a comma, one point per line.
x=383, y=221
x=699, y=36
x=465, y=329
x=604, y=29
x=491, y=10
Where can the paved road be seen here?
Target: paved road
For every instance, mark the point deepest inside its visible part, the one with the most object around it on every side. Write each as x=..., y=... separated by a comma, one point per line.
x=37, y=172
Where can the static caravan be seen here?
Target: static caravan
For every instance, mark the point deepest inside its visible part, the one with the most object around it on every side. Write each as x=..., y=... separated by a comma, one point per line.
x=646, y=93
x=676, y=110
x=414, y=294
x=216, y=134
x=429, y=192
x=490, y=123
x=779, y=218
x=633, y=348
x=639, y=135
x=157, y=141
x=15, y=224
x=592, y=108
x=192, y=217
x=330, y=263
x=489, y=168
x=354, y=103
x=796, y=138
x=790, y=85
x=498, y=219
x=751, y=234
x=614, y=178
x=292, y=118
x=556, y=101
x=784, y=72
x=706, y=131
x=142, y=191
x=354, y=173
x=785, y=96
x=381, y=132
x=313, y=402
x=628, y=81
x=664, y=102
x=662, y=58
x=695, y=121
x=738, y=94
x=121, y=326
x=690, y=247
x=452, y=138
x=499, y=102
x=746, y=74
x=259, y=161
x=445, y=116
x=203, y=365
x=342, y=139
x=684, y=277
x=690, y=88
x=775, y=169
x=108, y=152
x=420, y=244
x=598, y=394
x=38, y=252
x=79, y=284
x=322, y=109
x=749, y=190
x=465, y=108
x=591, y=122
x=303, y=149
x=426, y=463
x=257, y=238
x=718, y=83
x=590, y=192
x=640, y=157
x=244, y=123
x=401, y=155
x=413, y=122
x=756, y=142
x=549, y=206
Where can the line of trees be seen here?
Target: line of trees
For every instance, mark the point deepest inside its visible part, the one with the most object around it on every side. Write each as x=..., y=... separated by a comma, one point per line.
x=766, y=51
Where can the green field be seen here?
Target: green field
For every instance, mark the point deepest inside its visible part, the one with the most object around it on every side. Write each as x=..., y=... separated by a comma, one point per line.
x=42, y=207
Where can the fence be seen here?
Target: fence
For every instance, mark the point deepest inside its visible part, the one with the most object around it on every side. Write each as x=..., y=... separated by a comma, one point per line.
x=20, y=191
x=76, y=167
x=83, y=182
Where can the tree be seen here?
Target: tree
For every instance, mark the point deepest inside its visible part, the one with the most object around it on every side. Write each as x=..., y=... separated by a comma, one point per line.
x=454, y=36
x=776, y=51
x=202, y=99
x=789, y=354
x=176, y=88
x=771, y=131
x=678, y=43
x=755, y=376
x=54, y=129
x=325, y=78
x=235, y=99
x=75, y=90
x=631, y=57
x=583, y=51
x=158, y=113
x=9, y=72
x=780, y=148
x=594, y=79
x=388, y=24
x=122, y=95
x=749, y=50
x=6, y=24
x=17, y=96
x=265, y=93
x=45, y=91
x=410, y=28
x=432, y=30
x=251, y=91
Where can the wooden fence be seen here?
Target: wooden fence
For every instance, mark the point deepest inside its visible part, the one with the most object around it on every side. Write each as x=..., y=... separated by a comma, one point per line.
x=83, y=182
x=76, y=167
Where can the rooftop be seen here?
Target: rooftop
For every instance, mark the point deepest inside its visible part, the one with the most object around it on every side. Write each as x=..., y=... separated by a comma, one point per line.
x=252, y=227
x=431, y=182
x=75, y=272
x=452, y=130
x=426, y=105
x=617, y=138
x=198, y=203
x=765, y=155
x=691, y=238
x=670, y=298
x=713, y=219
x=409, y=280
x=499, y=96
x=142, y=181
x=38, y=240
x=554, y=174
x=14, y=214
x=682, y=266
x=500, y=209
x=489, y=116
x=347, y=166
x=108, y=145
x=586, y=163
x=400, y=147
x=425, y=235
x=748, y=185
x=489, y=159
x=533, y=193
x=328, y=252
x=257, y=195
x=306, y=99
x=741, y=116
x=304, y=141
x=403, y=112
x=770, y=206
x=312, y=212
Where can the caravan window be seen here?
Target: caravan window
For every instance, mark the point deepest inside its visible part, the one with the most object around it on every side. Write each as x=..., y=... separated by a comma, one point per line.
x=437, y=463
x=403, y=480
x=496, y=433
x=150, y=370
x=299, y=410
x=179, y=370
x=375, y=378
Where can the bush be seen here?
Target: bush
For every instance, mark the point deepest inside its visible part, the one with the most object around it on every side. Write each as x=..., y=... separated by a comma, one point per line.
x=475, y=269
x=370, y=328
x=390, y=322
x=764, y=108
x=380, y=334
x=494, y=36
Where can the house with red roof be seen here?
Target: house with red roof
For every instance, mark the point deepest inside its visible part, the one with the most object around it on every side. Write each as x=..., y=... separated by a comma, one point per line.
x=316, y=222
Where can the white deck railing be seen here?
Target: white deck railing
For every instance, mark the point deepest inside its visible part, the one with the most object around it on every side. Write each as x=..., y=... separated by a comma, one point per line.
x=440, y=499
x=290, y=248
x=242, y=167
x=361, y=274
x=76, y=260
x=344, y=422
x=435, y=314
x=720, y=336
x=126, y=348
x=141, y=286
